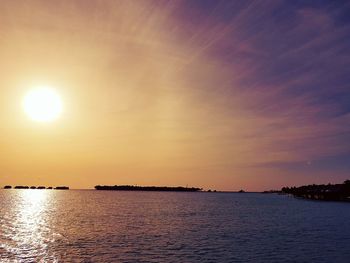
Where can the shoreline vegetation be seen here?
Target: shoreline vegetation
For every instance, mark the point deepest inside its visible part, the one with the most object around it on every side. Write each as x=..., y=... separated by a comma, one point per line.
x=147, y=188
x=36, y=187
x=324, y=192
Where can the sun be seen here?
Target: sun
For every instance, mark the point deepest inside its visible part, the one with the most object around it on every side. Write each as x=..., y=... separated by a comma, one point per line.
x=42, y=104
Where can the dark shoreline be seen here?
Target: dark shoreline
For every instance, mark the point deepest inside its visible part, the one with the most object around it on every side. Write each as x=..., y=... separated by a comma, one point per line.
x=329, y=192
x=147, y=188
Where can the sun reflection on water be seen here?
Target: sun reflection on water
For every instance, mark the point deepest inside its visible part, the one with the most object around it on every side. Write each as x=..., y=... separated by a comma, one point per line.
x=29, y=234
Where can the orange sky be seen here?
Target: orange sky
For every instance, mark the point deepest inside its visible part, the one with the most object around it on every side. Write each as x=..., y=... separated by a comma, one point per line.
x=145, y=102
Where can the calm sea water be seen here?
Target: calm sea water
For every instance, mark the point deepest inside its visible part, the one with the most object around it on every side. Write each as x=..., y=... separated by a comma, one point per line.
x=99, y=226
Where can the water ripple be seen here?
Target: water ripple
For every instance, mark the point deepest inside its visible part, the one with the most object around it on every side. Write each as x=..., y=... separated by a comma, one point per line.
x=91, y=226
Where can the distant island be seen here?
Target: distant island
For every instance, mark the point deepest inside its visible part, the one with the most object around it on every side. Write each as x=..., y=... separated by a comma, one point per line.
x=326, y=192
x=34, y=187
x=147, y=188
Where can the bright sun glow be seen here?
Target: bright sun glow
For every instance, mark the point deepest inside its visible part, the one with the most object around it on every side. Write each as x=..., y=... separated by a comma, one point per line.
x=42, y=104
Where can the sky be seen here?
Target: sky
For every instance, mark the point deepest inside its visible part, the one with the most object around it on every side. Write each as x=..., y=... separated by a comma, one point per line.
x=224, y=95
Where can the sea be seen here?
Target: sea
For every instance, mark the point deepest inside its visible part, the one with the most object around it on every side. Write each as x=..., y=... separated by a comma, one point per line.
x=123, y=226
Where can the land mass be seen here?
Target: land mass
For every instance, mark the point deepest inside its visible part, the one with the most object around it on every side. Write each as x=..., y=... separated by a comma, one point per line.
x=326, y=192
x=147, y=188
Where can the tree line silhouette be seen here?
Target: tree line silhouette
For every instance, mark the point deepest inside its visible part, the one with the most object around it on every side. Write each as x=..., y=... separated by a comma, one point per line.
x=147, y=188
x=328, y=192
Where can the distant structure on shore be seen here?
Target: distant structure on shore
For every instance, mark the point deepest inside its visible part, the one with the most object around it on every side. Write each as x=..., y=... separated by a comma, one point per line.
x=61, y=188
x=329, y=192
x=21, y=187
x=34, y=187
x=147, y=188
x=272, y=192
